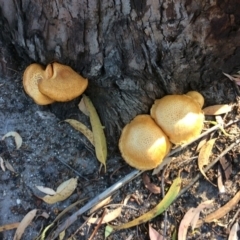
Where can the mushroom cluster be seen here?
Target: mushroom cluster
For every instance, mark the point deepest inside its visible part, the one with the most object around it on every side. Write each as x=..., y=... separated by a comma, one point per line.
x=57, y=82
x=147, y=139
x=143, y=144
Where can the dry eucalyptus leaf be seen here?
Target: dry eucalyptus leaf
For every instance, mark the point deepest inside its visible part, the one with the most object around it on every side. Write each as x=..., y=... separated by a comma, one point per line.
x=9, y=166
x=204, y=155
x=201, y=143
x=191, y=217
x=61, y=235
x=46, y=190
x=217, y=109
x=63, y=191
x=101, y=204
x=2, y=164
x=222, y=211
x=9, y=226
x=98, y=133
x=81, y=128
x=149, y=185
x=24, y=224
x=235, y=78
x=82, y=107
x=233, y=235
x=18, y=138
x=226, y=166
x=153, y=234
x=110, y=216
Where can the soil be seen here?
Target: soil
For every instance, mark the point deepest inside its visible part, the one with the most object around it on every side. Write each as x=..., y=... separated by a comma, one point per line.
x=49, y=144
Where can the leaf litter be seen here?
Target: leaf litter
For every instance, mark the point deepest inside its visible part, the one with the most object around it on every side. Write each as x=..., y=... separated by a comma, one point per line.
x=63, y=191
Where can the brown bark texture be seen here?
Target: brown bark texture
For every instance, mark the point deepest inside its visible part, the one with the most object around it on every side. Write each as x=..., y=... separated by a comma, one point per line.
x=132, y=51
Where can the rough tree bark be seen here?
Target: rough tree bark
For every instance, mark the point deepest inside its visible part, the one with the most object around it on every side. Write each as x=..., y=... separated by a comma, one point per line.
x=132, y=51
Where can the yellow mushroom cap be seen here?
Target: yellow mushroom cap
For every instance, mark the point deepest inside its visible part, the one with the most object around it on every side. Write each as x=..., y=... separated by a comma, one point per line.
x=143, y=144
x=197, y=97
x=62, y=83
x=179, y=117
x=31, y=77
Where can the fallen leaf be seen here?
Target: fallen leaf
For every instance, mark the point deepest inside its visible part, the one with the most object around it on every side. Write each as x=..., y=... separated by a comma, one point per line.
x=201, y=143
x=157, y=210
x=221, y=212
x=233, y=233
x=153, y=234
x=235, y=78
x=150, y=186
x=130, y=237
x=226, y=166
x=204, y=155
x=217, y=109
x=160, y=166
x=24, y=224
x=82, y=107
x=46, y=190
x=101, y=204
x=110, y=216
x=81, y=128
x=9, y=166
x=18, y=138
x=108, y=231
x=191, y=217
x=98, y=133
x=2, y=164
x=63, y=192
x=9, y=226
x=61, y=235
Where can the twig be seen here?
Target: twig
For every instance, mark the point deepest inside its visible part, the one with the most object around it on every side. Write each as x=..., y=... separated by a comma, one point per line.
x=98, y=226
x=79, y=174
x=94, y=201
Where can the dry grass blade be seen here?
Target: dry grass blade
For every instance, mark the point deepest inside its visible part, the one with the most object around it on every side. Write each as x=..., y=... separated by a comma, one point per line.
x=24, y=223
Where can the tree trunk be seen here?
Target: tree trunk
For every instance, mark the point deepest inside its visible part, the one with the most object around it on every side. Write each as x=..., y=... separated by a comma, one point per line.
x=132, y=52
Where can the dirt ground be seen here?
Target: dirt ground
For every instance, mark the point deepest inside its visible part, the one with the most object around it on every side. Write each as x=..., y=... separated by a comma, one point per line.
x=48, y=143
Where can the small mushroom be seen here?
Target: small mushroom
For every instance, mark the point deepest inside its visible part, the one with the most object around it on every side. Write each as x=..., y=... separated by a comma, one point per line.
x=31, y=77
x=62, y=83
x=179, y=117
x=143, y=144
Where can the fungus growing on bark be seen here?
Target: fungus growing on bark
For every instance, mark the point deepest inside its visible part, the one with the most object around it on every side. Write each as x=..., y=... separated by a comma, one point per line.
x=56, y=83
x=143, y=144
x=180, y=118
x=62, y=83
x=31, y=77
